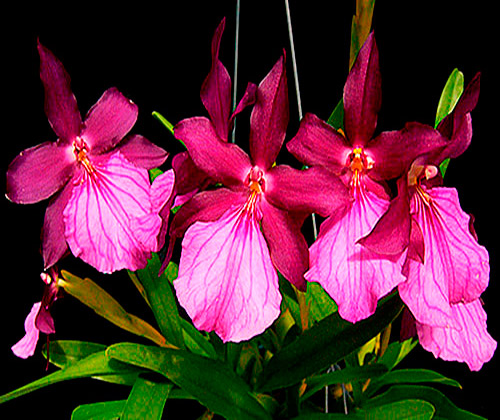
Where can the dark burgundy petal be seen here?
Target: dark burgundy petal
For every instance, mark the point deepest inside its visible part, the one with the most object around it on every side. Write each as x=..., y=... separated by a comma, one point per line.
x=54, y=245
x=108, y=121
x=318, y=143
x=216, y=89
x=60, y=103
x=391, y=234
x=288, y=248
x=313, y=190
x=142, y=153
x=362, y=95
x=270, y=117
x=188, y=177
x=38, y=172
x=206, y=206
x=249, y=98
x=394, y=151
x=223, y=162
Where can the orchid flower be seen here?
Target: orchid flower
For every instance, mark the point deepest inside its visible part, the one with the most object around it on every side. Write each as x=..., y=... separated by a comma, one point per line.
x=354, y=276
x=446, y=269
x=238, y=235
x=103, y=205
x=39, y=319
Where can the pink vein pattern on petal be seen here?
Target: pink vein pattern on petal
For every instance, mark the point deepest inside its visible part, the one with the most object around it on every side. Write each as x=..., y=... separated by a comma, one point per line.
x=25, y=347
x=471, y=344
x=227, y=282
x=353, y=276
x=456, y=267
x=99, y=213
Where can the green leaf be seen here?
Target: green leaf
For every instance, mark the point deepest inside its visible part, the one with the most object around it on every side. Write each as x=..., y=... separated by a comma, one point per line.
x=167, y=124
x=96, y=298
x=210, y=381
x=95, y=365
x=327, y=342
x=64, y=353
x=413, y=409
x=162, y=300
x=396, y=352
x=146, y=400
x=360, y=28
x=410, y=376
x=320, y=303
x=452, y=91
x=445, y=409
x=343, y=376
x=108, y=410
x=196, y=341
x=336, y=119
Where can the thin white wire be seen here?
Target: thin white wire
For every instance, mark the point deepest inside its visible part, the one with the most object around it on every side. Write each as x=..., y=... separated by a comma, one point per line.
x=297, y=88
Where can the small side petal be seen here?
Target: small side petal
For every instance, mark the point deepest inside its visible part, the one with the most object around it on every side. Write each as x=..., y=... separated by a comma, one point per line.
x=470, y=343
x=223, y=162
x=313, y=190
x=142, y=153
x=227, y=282
x=108, y=121
x=60, y=103
x=38, y=172
x=286, y=243
x=27, y=345
x=319, y=144
x=270, y=116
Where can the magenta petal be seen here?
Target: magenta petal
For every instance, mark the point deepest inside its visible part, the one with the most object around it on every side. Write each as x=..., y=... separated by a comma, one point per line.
x=318, y=143
x=60, y=103
x=286, y=243
x=98, y=217
x=470, y=342
x=455, y=268
x=223, y=162
x=161, y=201
x=249, y=98
x=351, y=274
x=54, y=244
x=227, y=282
x=313, y=190
x=394, y=151
x=269, y=117
x=38, y=172
x=188, y=178
x=108, y=121
x=142, y=153
x=362, y=95
x=27, y=345
x=216, y=89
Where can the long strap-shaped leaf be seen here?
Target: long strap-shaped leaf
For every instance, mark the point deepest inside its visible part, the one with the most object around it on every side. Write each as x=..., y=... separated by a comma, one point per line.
x=97, y=364
x=329, y=341
x=96, y=298
x=210, y=381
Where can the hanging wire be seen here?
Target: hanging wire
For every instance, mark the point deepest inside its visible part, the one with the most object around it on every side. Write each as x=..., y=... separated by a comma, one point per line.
x=235, y=77
x=297, y=88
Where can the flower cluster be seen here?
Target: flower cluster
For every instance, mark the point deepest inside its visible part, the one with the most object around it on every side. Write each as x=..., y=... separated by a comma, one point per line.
x=241, y=213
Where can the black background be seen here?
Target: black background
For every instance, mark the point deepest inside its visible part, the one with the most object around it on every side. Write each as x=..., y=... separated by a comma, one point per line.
x=158, y=55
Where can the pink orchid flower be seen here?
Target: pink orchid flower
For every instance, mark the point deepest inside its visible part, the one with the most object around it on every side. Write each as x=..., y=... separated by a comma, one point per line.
x=446, y=269
x=103, y=205
x=238, y=235
x=354, y=276
x=39, y=319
